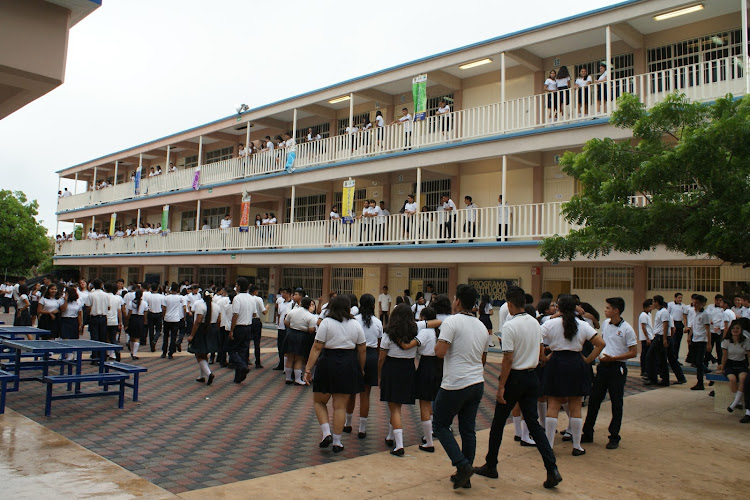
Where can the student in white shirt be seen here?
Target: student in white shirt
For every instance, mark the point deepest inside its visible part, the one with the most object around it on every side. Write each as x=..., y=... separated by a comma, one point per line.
x=416, y=309
x=503, y=219
x=550, y=88
x=582, y=84
x=23, y=306
x=71, y=313
x=602, y=94
x=678, y=312
x=379, y=126
x=243, y=309
x=385, y=301
x=335, y=222
x=203, y=340
x=447, y=219
x=470, y=225
x=443, y=116
x=283, y=306
x=406, y=120
x=410, y=209
x=700, y=339
x=174, y=312
x=563, y=84
x=136, y=322
x=301, y=325
x=49, y=307
x=645, y=334
x=735, y=362
x=257, y=326
x=661, y=353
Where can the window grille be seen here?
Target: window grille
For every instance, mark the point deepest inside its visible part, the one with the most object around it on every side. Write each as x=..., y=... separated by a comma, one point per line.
x=309, y=278
x=207, y=275
x=191, y=161
x=184, y=273
x=685, y=278
x=601, y=278
x=435, y=276
x=306, y=208
x=219, y=154
x=324, y=129
x=347, y=280
x=108, y=274
x=134, y=275
x=343, y=123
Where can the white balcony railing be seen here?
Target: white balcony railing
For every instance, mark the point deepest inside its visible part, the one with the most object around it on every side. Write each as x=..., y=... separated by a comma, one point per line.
x=700, y=82
x=526, y=222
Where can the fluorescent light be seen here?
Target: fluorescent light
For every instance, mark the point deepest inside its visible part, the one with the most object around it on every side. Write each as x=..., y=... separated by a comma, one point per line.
x=475, y=64
x=679, y=12
x=339, y=99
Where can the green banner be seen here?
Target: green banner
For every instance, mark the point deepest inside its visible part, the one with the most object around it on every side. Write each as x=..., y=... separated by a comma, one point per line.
x=419, y=93
x=165, y=218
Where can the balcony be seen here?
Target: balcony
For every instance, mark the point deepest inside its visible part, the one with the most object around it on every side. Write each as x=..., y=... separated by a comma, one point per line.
x=701, y=82
x=526, y=222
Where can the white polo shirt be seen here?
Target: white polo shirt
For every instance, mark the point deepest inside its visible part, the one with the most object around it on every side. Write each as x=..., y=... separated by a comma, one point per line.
x=677, y=311
x=340, y=335
x=468, y=339
x=175, y=309
x=522, y=336
x=156, y=302
x=243, y=306
x=618, y=338
x=282, y=308
x=662, y=316
x=645, y=319
x=99, y=303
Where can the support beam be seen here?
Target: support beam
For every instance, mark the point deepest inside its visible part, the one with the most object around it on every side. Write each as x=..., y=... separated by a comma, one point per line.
x=198, y=216
x=190, y=146
x=375, y=95
x=527, y=59
x=319, y=110
x=270, y=123
x=502, y=93
x=442, y=78
x=115, y=178
x=200, y=151
x=75, y=186
x=166, y=169
x=291, y=204
x=223, y=136
x=628, y=34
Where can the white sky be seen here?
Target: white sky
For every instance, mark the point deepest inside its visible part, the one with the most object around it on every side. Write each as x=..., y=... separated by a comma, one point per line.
x=142, y=69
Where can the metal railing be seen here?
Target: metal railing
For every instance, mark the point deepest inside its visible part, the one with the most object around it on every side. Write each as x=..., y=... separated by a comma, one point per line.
x=701, y=82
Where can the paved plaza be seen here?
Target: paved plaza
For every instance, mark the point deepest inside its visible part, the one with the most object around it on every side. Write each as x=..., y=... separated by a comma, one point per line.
x=260, y=438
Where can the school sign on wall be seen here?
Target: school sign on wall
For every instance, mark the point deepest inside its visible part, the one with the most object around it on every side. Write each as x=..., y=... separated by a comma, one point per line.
x=494, y=287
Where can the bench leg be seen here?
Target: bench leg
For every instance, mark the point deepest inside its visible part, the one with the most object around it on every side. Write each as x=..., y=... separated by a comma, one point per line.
x=3, y=386
x=135, y=386
x=48, y=401
x=106, y=370
x=122, y=394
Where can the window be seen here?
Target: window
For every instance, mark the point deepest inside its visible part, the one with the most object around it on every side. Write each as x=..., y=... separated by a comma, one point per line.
x=623, y=67
x=213, y=216
x=108, y=274
x=220, y=154
x=93, y=273
x=420, y=277
x=347, y=280
x=134, y=275
x=694, y=279
x=359, y=199
x=344, y=122
x=306, y=208
x=603, y=278
x=432, y=191
x=212, y=275
x=184, y=273
x=263, y=279
x=309, y=278
x=324, y=129
x=433, y=103
x=187, y=221
x=191, y=161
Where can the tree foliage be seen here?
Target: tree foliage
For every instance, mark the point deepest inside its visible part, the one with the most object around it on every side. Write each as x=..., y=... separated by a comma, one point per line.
x=683, y=181
x=23, y=241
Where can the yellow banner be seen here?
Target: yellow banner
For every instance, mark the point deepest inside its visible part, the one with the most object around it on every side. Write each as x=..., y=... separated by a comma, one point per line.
x=112, y=222
x=347, y=199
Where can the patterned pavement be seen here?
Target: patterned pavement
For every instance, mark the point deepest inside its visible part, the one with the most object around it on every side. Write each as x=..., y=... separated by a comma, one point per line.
x=184, y=436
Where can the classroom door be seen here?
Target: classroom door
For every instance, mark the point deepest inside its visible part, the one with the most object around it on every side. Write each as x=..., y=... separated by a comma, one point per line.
x=556, y=287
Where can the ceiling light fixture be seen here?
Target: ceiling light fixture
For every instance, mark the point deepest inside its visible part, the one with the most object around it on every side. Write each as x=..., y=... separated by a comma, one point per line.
x=679, y=12
x=339, y=99
x=475, y=64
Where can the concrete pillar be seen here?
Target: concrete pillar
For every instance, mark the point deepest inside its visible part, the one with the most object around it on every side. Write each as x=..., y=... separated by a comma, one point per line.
x=452, y=281
x=326, y=288
x=536, y=280
x=640, y=290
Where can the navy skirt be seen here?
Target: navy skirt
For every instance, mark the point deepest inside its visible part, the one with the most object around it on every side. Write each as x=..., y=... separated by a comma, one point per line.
x=735, y=367
x=22, y=319
x=298, y=343
x=338, y=372
x=136, y=328
x=486, y=321
x=47, y=323
x=69, y=328
x=566, y=374
x=206, y=340
x=398, y=381
x=429, y=376
x=371, y=367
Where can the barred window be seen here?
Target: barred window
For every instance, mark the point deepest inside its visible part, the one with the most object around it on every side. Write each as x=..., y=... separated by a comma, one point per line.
x=219, y=154
x=420, y=277
x=262, y=279
x=93, y=273
x=213, y=216
x=212, y=275
x=687, y=278
x=134, y=274
x=432, y=191
x=108, y=274
x=359, y=199
x=187, y=220
x=309, y=278
x=191, y=161
x=184, y=273
x=347, y=280
x=623, y=66
x=307, y=208
x=433, y=103
x=324, y=129
x=343, y=123
x=603, y=278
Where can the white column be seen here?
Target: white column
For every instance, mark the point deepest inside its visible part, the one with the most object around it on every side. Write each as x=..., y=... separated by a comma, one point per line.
x=609, y=68
x=351, y=110
x=59, y=182
x=247, y=135
x=57, y=227
x=198, y=216
x=116, y=165
x=502, y=92
x=200, y=152
x=138, y=220
x=93, y=221
x=745, y=59
x=166, y=165
x=94, y=178
x=294, y=126
x=291, y=205
x=503, y=192
x=417, y=223
x=75, y=186
x=74, y=230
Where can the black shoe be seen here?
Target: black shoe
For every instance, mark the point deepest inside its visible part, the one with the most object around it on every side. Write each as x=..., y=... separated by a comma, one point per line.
x=163, y=356
x=711, y=383
x=524, y=443
x=664, y=383
x=486, y=471
x=171, y=356
x=463, y=474
x=566, y=436
x=398, y=453
x=683, y=381
x=362, y=435
x=745, y=419
x=179, y=348
x=587, y=439
x=210, y=379
x=348, y=429
x=337, y=448
x=258, y=366
x=326, y=442
x=612, y=445
x=153, y=347
x=390, y=443
x=553, y=478
x=739, y=407
x=578, y=453
x=712, y=394
x=428, y=449
x=467, y=485
x=243, y=374
x=649, y=382
x=134, y=357
x=201, y=380
x=424, y=441
x=279, y=368
x=516, y=438
x=698, y=387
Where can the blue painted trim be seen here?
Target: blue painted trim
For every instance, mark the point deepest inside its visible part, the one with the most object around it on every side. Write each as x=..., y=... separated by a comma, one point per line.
x=375, y=73
x=427, y=149
x=430, y=246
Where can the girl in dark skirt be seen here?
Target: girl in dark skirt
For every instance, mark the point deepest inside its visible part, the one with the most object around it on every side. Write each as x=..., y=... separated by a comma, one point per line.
x=396, y=369
x=565, y=371
x=373, y=329
x=485, y=312
x=22, y=317
x=203, y=340
x=429, y=375
x=34, y=297
x=49, y=308
x=735, y=361
x=71, y=312
x=339, y=352
x=136, y=324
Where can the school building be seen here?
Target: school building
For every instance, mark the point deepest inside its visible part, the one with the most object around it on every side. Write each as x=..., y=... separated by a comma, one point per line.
x=503, y=136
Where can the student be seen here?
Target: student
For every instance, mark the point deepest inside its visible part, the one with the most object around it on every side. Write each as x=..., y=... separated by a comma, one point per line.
x=566, y=371
x=243, y=308
x=257, y=326
x=384, y=301
x=71, y=326
x=645, y=334
x=396, y=372
x=611, y=373
x=49, y=307
x=503, y=219
x=410, y=209
x=563, y=82
x=447, y=217
x=136, y=325
x=201, y=341
x=156, y=302
x=406, y=120
x=34, y=296
x=601, y=87
x=114, y=316
x=173, y=314
x=735, y=362
x=379, y=126
x=443, y=116
x=485, y=312
x=23, y=315
x=699, y=338
x=373, y=330
x=470, y=225
x=429, y=374
x=582, y=84
x=418, y=306
x=550, y=88
x=518, y=384
x=678, y=311
x=660, y=353
x=301, y=325
x=283, y=306
x=340, y=354
x=225, y=320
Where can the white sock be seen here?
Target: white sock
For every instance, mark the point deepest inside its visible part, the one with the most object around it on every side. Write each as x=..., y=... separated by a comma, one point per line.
x=204, y=367
x=362, y=424
x=398, y=435
x=288, y=373
x=325, y=429
x=390, y=432
x=517, y=425
x=337, y=440
x=550, y=426
x=348, y=422
x=541, y=408
x=298, y=376
x=136, y=345
x=427, y=431
x=737, y=398
x=525, y=432
x=576, y=428
x=567, y=412
x=747, y=411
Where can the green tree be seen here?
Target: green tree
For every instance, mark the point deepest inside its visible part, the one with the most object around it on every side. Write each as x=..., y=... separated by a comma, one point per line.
x=683, y=181
x=23, y=241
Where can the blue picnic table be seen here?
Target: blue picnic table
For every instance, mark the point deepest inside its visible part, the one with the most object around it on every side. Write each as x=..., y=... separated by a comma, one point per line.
x=20, y=332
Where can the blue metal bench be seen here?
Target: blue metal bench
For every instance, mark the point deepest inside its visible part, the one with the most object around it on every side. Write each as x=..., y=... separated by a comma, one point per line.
x=5, y=377
x=126, y=368
x=106, y=378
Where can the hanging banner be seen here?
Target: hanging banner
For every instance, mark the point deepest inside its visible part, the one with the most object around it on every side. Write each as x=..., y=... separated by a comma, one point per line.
x=165, y=218
x=112, y=223
x=347, y=202
x=291, y=154
x=419, y=93
x=245, y=213
x=196, y=179
x=137, y=182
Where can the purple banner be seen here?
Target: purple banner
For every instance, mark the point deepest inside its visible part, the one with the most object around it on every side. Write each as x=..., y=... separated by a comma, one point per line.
x=196, y=179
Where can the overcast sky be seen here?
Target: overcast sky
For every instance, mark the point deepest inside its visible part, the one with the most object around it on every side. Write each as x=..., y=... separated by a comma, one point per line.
x=142, y=69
